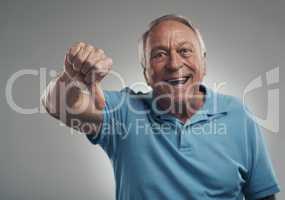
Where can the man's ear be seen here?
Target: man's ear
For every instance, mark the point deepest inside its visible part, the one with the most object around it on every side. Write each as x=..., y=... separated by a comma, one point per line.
x=146, y=76
x=204, y=63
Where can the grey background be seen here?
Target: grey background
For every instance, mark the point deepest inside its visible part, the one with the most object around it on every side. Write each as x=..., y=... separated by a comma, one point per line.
x=39, y=159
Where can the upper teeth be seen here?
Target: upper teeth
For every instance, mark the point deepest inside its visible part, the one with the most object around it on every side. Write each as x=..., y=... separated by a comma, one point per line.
x=178, y=79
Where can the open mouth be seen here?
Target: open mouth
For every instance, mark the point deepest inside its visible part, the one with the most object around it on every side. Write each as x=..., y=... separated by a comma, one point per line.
x=180, y=81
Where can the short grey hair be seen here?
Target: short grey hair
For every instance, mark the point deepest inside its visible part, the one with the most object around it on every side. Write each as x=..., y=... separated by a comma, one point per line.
x=174, y=17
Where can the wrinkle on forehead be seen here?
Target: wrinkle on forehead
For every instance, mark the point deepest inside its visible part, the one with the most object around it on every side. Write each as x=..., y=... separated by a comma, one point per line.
x=170, y=33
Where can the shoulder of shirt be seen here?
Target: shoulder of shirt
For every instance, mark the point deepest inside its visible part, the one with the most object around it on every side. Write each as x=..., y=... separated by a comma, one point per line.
x=128, y=95
x=230, y=104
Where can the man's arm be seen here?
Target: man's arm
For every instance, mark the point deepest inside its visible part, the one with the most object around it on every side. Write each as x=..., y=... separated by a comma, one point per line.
x=65, y=101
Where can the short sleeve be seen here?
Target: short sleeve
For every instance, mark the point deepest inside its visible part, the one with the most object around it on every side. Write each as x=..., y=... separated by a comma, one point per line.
x=112, y=128
x=261, y=180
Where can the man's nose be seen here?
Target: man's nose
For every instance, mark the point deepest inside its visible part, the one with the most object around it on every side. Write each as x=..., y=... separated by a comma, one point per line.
x=175, y=61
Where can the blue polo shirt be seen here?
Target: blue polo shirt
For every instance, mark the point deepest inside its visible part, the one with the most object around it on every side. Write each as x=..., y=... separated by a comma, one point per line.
x=219, y=153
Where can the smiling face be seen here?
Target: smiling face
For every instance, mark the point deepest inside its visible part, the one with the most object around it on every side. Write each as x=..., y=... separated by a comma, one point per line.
x=175, y=65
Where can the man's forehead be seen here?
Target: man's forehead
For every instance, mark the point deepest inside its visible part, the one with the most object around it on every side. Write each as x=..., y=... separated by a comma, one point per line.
x=170, y=32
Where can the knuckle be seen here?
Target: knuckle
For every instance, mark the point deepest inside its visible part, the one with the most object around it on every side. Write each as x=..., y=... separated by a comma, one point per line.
x=110, y=61
x=84, y=54
x=100, y=51
x=92, y=51
x=80, y=44
x=92, y=56
x=99, y=64
x=75, y=47
x=89, y=47
x=87, y=51
x=103, y=57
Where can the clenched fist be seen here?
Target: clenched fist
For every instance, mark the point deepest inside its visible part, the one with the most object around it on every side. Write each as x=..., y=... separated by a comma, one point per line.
x=87, y=64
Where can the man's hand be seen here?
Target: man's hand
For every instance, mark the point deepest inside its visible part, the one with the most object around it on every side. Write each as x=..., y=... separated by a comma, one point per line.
x=87, y=64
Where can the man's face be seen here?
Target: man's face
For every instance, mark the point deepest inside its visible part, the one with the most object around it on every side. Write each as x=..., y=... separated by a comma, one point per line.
x=175, y=65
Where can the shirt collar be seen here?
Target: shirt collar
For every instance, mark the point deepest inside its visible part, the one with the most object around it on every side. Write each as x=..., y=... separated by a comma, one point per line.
x=210, y=109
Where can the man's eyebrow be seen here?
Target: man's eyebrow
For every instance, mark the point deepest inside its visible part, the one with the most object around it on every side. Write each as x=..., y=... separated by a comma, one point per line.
x=185, y=43
x=160, y=47
x=165, y=48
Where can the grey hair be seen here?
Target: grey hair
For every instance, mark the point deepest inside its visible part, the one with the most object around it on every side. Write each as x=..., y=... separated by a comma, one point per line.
x=174, y=17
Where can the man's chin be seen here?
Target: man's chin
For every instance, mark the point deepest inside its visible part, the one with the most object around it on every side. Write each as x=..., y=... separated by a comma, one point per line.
x=181, y=99
x=183, y=94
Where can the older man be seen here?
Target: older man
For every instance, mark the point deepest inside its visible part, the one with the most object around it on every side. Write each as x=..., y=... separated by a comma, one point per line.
x=180, y=141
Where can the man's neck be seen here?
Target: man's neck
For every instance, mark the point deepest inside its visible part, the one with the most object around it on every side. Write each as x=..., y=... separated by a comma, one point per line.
x=197, y=101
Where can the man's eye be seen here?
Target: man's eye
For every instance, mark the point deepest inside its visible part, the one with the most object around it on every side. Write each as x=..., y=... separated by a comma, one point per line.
x=185, y=52
x=159, y=55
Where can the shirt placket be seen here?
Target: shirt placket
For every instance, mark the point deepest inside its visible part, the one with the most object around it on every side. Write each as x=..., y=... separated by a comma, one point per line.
x=186, y=142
